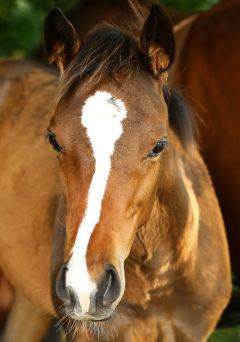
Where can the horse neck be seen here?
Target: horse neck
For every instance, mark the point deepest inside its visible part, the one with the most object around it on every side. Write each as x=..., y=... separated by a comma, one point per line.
x=166, y=243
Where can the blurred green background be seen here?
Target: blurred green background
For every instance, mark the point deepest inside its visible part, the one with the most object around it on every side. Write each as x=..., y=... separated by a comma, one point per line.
x=21, y=21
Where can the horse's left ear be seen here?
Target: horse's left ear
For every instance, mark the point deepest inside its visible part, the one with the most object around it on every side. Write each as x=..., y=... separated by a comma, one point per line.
x=61, y=40
x=157, y=41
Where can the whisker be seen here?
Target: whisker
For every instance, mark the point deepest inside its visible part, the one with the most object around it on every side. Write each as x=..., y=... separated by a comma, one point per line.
x=75, y=329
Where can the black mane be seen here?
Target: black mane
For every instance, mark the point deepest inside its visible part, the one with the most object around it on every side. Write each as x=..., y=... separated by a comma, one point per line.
x=181, y=118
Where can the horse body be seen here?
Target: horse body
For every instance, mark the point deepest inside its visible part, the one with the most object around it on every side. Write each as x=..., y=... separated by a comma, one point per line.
x=208, y=72
x=158, y=213
x=23, y=173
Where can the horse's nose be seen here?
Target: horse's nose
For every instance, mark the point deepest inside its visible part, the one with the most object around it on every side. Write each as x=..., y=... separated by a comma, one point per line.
x=107, y=291
x=109, y=288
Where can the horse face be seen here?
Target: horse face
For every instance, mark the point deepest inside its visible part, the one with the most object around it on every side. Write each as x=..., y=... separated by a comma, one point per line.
x=109, y=136
x=111, y=139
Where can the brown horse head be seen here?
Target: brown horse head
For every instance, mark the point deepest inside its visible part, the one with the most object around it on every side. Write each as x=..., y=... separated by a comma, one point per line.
x=110, y=128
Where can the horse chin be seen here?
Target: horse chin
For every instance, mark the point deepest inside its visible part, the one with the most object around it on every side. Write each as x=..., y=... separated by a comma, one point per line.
x=95, y=324
x=98, y=317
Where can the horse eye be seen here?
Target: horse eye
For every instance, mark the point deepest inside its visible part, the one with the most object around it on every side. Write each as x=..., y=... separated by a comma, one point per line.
x=52, y=139
x=160, y=145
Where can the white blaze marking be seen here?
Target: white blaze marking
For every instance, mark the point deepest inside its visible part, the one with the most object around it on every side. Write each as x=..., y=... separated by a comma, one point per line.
x=102, y=116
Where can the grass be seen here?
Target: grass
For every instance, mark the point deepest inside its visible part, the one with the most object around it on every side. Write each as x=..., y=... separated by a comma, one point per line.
x=226, y=335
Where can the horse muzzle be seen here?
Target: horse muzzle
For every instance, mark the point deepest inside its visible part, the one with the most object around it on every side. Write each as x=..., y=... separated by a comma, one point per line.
x=84, y=301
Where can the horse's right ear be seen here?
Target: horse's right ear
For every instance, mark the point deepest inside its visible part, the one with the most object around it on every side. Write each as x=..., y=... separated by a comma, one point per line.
x=61, y=39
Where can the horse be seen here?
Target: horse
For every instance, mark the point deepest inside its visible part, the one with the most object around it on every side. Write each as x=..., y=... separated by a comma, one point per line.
x=121, y=235
x=207, y=71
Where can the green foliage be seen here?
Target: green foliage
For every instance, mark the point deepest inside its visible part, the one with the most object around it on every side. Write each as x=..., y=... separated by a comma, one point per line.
x=226, y=335
x=189, y=5
x=45, y=5
x=21, y=21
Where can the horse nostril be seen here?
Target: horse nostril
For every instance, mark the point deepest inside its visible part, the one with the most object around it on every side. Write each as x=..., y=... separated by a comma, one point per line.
x=61, y=290
x=66, y=293
x=110, y=287
x=73, y=298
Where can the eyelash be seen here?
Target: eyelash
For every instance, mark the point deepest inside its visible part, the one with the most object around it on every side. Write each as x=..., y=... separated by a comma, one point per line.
x=52, y=139
x=158, y=148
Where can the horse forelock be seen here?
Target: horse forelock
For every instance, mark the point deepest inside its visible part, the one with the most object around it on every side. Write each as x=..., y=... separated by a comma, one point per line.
x=107, y=50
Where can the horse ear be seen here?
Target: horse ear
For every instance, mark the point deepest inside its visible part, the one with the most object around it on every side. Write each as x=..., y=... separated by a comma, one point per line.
x=61, y=39
x=157, y=41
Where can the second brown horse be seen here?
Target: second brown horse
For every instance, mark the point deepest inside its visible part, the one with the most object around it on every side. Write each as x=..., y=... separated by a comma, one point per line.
x=208, y=73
